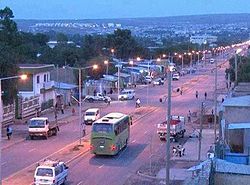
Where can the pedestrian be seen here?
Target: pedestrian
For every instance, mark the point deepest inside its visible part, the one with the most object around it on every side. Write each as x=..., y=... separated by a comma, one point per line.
x=111, y=91
x=181, y=91
x=196, y=94
x=73, y=111
x=212, y=111
x=9, y=132
x=205, y=95
x=95, y=92
x=222, y=100
x=108, y=101
x=104, y=92
x=62, y=109
x=189, y=116
x=137, y=103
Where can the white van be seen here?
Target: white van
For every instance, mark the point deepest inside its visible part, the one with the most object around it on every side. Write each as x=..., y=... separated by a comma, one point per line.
x=51, y=172
x=127, y=94
x=91, y=115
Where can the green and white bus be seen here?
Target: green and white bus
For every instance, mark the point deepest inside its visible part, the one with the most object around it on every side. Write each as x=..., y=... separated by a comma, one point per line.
x=110, y=134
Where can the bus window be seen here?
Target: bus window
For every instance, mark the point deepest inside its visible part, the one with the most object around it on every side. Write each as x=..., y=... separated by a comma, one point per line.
x=102, y=128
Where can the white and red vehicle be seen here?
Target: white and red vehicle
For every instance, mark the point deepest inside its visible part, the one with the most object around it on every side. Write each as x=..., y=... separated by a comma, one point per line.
x=177, y=128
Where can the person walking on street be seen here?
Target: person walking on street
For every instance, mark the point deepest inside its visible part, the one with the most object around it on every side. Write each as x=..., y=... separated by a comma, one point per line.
x=9, y=132
x=189, y=116
x=137, y=103
x=205, y=95
x=104, y=92
x=196, y=94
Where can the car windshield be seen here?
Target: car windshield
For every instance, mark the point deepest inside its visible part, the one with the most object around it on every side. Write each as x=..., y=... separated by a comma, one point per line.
x=90, y=113
x=36, y=124
x=44, y=172
x=102, y=128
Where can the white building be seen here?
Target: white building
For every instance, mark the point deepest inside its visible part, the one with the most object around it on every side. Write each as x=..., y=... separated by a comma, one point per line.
x=38, y=82
x=203, y=39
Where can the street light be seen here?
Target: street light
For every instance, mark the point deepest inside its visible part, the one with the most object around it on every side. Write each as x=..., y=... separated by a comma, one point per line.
x=106, y=62
x=80, y=97
x=131, y=62
x=182, y=62
x=22, y=77
x=236, y=65
x=191, y=62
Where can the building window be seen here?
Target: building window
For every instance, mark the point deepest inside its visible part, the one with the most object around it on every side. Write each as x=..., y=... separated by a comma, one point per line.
x=44, y=77
x=38, y=79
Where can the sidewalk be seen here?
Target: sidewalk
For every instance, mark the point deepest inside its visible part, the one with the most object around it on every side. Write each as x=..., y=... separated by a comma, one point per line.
x=191, y=155
x=20, y=129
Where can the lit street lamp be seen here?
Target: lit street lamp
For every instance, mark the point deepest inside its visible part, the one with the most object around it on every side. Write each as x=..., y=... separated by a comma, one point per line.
x=80, y=96
x=182, y=62
x=22, y=77
x=106, y=62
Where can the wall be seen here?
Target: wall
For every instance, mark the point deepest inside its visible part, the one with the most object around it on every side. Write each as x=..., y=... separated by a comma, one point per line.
x=237, y=114
x=231, y=179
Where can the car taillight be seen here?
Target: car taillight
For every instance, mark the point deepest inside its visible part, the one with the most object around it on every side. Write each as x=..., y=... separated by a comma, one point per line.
x=113, y=147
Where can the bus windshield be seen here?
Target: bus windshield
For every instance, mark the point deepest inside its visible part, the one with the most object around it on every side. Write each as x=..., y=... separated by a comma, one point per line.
x=102, y=128
x=37, y=124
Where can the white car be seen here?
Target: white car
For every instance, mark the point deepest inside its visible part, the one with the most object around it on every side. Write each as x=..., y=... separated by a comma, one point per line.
x=211, y=61
x=176, y=76
x=158, y=81
x=50, y=172
x=91, y=115
x=127, y=94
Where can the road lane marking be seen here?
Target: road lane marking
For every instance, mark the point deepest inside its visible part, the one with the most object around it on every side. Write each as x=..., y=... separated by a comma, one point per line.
x=80, y=183
x=133, y=141
x=101, y=166
x=32, y=165
x=145, y=132
x=32, y=150
x=4, y=163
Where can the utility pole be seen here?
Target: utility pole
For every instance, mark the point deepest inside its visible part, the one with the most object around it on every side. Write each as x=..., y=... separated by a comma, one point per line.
x=118, y=83
x=1, y=125
x=200, y=133
x=236, y=68
x=168, y=130
x=215, y=100
x=80, y=105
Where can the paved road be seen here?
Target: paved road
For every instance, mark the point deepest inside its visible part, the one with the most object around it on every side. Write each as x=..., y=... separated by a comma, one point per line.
x=89, y=168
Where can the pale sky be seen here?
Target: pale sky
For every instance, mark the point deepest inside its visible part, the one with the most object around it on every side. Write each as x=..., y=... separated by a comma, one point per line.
x=96, y=9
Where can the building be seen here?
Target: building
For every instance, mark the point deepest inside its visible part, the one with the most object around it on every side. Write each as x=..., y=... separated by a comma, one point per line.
x=38, y=82
x=202, y=39
x=235, y=126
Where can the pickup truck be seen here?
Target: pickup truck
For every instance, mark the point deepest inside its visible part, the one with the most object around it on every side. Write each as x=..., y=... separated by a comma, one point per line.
x=98, y=97
x=177, y=128
x=41, y=126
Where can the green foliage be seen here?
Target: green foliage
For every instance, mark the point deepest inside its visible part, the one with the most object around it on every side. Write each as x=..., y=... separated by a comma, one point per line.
x=243, y=69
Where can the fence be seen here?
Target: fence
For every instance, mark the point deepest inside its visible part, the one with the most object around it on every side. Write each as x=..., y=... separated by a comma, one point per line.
x=29, y=107
x=8, y=114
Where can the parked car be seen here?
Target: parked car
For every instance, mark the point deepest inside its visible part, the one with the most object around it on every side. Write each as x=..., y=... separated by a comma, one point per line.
x=51, y=172
x=127, y=94
x=98, y=97
x=91, y=115
x=176, y=76
x=158, y=81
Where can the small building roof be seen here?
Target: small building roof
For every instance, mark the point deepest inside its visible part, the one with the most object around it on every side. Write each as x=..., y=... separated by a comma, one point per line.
x=66, y=86
x=241, y=101
x=35, y=68
x=239, y=126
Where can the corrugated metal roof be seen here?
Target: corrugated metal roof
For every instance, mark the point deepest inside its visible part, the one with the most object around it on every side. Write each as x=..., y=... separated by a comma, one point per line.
x=242, y=101
x=239, y=126
x=62, y=85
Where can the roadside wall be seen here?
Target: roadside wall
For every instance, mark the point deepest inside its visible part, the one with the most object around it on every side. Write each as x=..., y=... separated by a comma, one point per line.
x=231, y=179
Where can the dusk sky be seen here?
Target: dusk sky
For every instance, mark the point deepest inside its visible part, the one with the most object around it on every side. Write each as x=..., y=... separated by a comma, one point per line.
x=95, y=9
